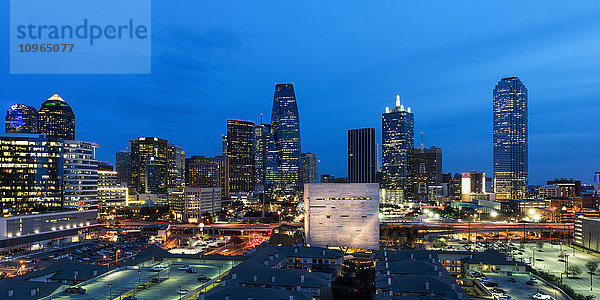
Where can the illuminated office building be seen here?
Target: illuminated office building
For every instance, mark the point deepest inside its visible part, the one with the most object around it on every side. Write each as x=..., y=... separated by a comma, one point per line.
x=310, y=169
x=398, y=136
x=510, y=139
x=362, y=157
x=260, y=144
x=597, y=183
x=424, y=172
x=176, y=166
x=285, y=126
x=207, y=172
x=80, y=175
x=56, y=119
x=141, y=150
x=240, y=156
x=110, y=192
x=30, y=173
x=21, y=118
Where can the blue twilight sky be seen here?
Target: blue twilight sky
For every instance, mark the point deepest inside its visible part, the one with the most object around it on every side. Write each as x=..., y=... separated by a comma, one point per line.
x=213, y=60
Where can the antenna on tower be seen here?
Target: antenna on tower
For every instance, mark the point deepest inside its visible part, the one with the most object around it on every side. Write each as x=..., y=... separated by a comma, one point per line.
x=422, y=140
x=261, y=119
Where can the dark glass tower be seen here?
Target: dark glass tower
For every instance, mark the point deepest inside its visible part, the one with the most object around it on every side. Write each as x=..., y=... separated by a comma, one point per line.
x=362, y=156
x=144, y=150
x=285, y=126
x=398, y=137
x=240, y=157
x=21, y=118
x=510, y=139
x=56, y=119
x=424, y=171
x=260, y=143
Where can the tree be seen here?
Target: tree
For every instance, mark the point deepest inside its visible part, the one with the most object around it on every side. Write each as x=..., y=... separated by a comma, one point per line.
x=539, y=245
x=236, y=240
x=574, y=271
x=592, y=266
x=561, y=256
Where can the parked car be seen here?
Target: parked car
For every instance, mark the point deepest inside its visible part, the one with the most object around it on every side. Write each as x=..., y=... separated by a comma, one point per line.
x=540, y=296
x=182, y=291
x=508, y=273
x=512, y=280
x=203, y=278
x=75, y=290
x=190, y=270
x=130, y=298
x=157, y=269
x=183, y=268
x=529, y=282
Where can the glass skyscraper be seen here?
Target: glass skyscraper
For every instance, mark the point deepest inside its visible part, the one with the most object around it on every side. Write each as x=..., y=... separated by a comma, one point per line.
x=362, y=162
x=510, y=139
x=56, y=119
x=21, y=118
x=398, y=137
x=141, y=150
x=240, y=156
x=285, y=127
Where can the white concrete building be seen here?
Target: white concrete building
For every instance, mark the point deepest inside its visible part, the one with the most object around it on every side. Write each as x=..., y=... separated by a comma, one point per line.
x=342, y=215
x=198, y=200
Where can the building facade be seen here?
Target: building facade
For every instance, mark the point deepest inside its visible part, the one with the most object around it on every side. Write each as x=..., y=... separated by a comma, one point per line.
x=510, y=139
x=21, y=118
x=110, y=193
x=175, y=166
x=208, y=172
x=122, y=167
x=424, y=172
x=310, y=169
x=80, y=176
x=362, y=155
x=56, y=119
x=398, y=136
x=285, y=127
x=240, y=156
x=31, y=173
x=143, y=150
x=200, y=200
x=342, y=215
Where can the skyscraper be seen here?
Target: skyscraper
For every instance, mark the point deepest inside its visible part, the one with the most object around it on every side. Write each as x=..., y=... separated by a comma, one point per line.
x=510, y=139
x=142, y=149
x=123, y=167
x=597, y=183
x=207, y=172
x=398, y=136
x=424, y=172
x=285, y=126
x=30, y=173
x=310, y=169
x=260, y=142
x=361, y=155
x=21, y=118
x=80, y=176
x=175, y=166
x=56, y=119
x=239, y=154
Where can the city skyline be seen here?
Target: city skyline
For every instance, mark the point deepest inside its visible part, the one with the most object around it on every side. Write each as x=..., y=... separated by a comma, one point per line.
x=450, y=115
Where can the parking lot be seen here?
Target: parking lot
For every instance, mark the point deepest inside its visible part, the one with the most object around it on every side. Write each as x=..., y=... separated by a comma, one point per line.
x=519, y=289
x=548, y=261
x=162, y=285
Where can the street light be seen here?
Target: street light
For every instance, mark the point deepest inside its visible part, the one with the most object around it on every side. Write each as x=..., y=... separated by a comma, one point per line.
x=110, y=290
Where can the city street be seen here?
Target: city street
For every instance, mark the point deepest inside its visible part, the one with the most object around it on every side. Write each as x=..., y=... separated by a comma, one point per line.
x=550, y=263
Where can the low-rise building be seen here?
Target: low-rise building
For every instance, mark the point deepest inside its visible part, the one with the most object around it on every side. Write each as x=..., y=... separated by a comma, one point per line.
x=415, y=273
x=587, y=233
x=41, y=230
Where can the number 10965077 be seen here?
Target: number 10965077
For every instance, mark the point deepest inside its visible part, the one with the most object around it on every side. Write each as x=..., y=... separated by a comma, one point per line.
x=46, y=47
